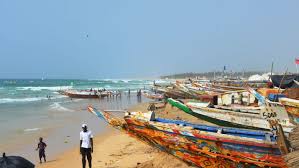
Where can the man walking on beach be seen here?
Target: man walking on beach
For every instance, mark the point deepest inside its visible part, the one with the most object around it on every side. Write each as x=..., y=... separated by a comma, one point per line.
x=86, y=145
x=41, y=146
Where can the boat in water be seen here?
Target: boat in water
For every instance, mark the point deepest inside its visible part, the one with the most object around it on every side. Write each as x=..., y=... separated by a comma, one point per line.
x=85, y=94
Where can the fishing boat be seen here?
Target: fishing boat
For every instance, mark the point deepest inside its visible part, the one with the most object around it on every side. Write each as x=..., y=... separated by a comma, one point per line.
x=228, y=118
x=240, y=108
x=292, y=107
x=201, y=145
x=284, y=107
x=151, y=95
x=85, y=94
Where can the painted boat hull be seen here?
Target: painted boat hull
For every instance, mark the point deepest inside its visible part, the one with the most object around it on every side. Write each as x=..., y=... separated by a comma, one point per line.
x=82, y=96
x=86, y=95
x=153, y=96
x=196, y=146
x=208, y=118
x=229, y=118
x=291, y=105
x=200, y=145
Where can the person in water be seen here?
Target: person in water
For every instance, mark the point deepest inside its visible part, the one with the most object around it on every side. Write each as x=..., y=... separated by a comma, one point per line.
x=86, y=145
x=41, y=146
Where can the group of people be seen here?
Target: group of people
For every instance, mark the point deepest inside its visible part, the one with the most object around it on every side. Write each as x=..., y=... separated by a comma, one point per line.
x=86, y=147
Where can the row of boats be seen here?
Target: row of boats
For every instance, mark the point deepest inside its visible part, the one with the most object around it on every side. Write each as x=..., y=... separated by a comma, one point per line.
x=253, y=122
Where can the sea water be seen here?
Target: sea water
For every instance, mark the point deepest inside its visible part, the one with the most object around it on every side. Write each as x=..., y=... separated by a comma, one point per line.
x=30, y=108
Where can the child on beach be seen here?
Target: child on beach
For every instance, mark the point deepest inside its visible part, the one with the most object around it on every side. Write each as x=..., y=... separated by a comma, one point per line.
x=41, y=146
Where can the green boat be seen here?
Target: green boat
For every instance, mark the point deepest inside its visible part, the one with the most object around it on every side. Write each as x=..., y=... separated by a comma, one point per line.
x=216, y=121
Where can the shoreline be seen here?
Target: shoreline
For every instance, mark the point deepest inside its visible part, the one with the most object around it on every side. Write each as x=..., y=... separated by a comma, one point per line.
x=62, y=158
x=116, y=149
x=59, y=127
x=113, y=148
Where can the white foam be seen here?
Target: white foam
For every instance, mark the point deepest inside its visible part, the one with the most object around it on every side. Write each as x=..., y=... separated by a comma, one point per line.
x=29, y=99
x=57, y=106
x=59, y=97
x=31, y=129
x=38, y=88
x=125, y=81
x=117, y=80
x=107, y=87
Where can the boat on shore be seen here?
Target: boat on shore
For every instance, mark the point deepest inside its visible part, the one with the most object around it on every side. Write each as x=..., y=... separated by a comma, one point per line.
x=201, y=145
x=291, y=106
x=151, y=95
x=229, y=118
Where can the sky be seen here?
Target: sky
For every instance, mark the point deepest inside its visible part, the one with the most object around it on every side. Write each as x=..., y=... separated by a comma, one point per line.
x=145, y=38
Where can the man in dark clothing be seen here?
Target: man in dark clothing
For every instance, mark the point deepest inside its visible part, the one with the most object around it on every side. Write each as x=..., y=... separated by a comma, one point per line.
x=41, y=146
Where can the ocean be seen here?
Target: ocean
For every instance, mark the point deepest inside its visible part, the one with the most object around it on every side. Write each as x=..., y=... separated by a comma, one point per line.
x=26, y=112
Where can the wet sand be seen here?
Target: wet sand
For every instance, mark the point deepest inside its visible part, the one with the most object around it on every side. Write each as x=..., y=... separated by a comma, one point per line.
x=116, y=149
x=60, y=126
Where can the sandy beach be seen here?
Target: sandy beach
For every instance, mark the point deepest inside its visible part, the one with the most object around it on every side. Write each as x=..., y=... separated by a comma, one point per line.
x=117, y=149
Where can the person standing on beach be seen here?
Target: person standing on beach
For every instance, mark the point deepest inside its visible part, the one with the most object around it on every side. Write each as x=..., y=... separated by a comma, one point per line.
x=41, y=146
x=86, y=145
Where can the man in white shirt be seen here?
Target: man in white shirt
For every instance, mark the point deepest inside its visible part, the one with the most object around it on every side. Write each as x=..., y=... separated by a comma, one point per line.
x=86, y=145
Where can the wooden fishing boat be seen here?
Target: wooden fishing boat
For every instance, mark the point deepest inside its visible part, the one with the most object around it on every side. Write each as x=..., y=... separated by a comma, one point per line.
x=179, y=91
x=201, y=145
x=230, y=118
x=292, y=107
x=236, y=97
x=273, y=109
x=85, y=94
x=156, y=96
x=175, y=94
x=188, y=92
x=195, y=90
x=240, y=108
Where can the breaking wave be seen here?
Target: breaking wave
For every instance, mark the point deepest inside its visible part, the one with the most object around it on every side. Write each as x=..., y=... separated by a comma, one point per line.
x=57, y=106
x=38, y=88
x=28, y=99
x=31, y=129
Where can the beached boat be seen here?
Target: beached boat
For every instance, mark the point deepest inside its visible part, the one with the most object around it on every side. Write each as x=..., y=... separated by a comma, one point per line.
x=292, y=107
x=240, y=108
x=273, y=109
x=151, y=95
x=229, y=118
x=201, y=145
x=221, y=119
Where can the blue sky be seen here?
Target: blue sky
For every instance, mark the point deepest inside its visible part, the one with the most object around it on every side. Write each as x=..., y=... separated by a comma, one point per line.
x=131, y=39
